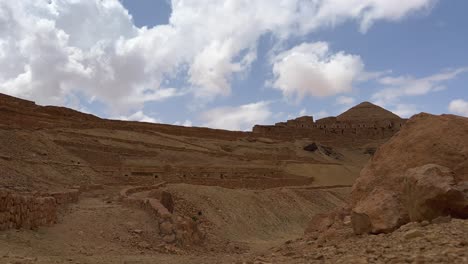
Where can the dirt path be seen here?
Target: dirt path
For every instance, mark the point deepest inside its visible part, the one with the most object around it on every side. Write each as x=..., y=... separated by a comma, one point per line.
x=96, y=230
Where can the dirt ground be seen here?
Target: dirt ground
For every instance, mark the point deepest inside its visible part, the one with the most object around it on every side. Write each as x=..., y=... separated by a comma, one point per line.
x=239, y=224
x=241, y=227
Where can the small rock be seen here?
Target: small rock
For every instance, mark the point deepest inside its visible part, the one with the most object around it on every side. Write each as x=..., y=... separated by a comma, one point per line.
x=144, y=244
x=288, y=254
x=347, y=220
x=169, y=238
x=442, y=220
x=166, y=228
x=409, y=226
x=425, y=223
x=137, y=231
x=413, y=234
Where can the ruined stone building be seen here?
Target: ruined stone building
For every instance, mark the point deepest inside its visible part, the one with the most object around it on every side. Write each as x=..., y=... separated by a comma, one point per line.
x=365, y=120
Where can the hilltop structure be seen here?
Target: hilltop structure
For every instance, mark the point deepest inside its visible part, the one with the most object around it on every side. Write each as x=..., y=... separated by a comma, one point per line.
x=365, y=120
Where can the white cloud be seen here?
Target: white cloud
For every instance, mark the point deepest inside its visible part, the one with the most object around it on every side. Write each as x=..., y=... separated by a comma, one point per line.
x=303, y=112
x=366, y=12
x=186, y=123
x=311, y=69
x=405, y=110
x=404, y=86
x=139, y=116
x=459, y=107
x=345, y=101
x=50, y=49
x=321, y=114
x=242, y=117
x=315, y=115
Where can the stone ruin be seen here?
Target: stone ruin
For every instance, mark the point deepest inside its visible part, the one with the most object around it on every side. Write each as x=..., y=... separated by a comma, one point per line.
x=32, y=210
x=365, y=120
x=173, y=229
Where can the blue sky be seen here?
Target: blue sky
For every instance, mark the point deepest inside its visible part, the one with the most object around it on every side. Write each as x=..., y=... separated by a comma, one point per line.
x=231, y=64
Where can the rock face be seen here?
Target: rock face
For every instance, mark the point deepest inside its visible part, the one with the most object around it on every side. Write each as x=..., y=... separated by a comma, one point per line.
x=420, y=174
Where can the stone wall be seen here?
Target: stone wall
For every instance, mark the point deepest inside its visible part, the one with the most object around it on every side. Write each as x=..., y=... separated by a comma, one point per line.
x=330, y=128
x=173, y=229
x=235, y=177
x=29, y=211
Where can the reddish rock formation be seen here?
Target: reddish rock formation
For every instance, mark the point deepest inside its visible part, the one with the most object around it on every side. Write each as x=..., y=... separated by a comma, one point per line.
x=420, y=174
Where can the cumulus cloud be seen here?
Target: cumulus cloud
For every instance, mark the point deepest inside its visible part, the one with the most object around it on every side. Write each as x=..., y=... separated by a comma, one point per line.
x=53, y=49
x=315, y=115
x=404, y=86
x=345, y=101
x=321, y=114
x=311, y=69
x=459, y=107
x=242, y=117
x=139, y=116
x=405, y=110
x=366, y=12
x=186, y=123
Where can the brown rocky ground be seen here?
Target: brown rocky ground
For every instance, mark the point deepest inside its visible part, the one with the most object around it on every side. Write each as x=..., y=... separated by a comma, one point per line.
x=100, y=229
x=445, y=241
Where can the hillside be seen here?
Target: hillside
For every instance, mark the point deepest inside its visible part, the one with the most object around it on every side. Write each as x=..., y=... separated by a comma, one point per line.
x=42, y=144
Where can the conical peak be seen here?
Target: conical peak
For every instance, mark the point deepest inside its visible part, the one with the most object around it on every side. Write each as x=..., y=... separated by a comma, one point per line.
x=366, y=111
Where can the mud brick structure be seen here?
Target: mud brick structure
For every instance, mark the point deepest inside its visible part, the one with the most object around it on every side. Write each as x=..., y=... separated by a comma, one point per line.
x=173, y=229
x=365, y=120
x=29, y=211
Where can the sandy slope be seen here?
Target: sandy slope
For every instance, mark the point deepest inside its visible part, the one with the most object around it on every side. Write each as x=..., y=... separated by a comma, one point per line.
x=251, y=215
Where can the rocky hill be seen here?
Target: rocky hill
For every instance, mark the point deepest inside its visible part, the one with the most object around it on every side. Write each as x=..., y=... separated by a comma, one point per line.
x=366, y=111
x=51, y=147
x=359, y=125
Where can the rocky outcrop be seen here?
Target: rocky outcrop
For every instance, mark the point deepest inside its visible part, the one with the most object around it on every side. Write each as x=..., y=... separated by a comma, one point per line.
x=324, y=150
x=420, y=174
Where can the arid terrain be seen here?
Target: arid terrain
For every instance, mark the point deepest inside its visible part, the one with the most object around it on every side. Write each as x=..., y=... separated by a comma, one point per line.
x=363, y=187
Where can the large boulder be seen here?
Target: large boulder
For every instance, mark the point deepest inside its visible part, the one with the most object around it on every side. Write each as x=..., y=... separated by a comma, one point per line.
x=420, y=174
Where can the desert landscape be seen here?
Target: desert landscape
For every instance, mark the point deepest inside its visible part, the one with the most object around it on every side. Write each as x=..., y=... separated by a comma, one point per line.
x=364, y=187
x=233, y=132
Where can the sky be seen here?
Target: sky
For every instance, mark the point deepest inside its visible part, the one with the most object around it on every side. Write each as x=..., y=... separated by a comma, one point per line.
x=231, y=64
